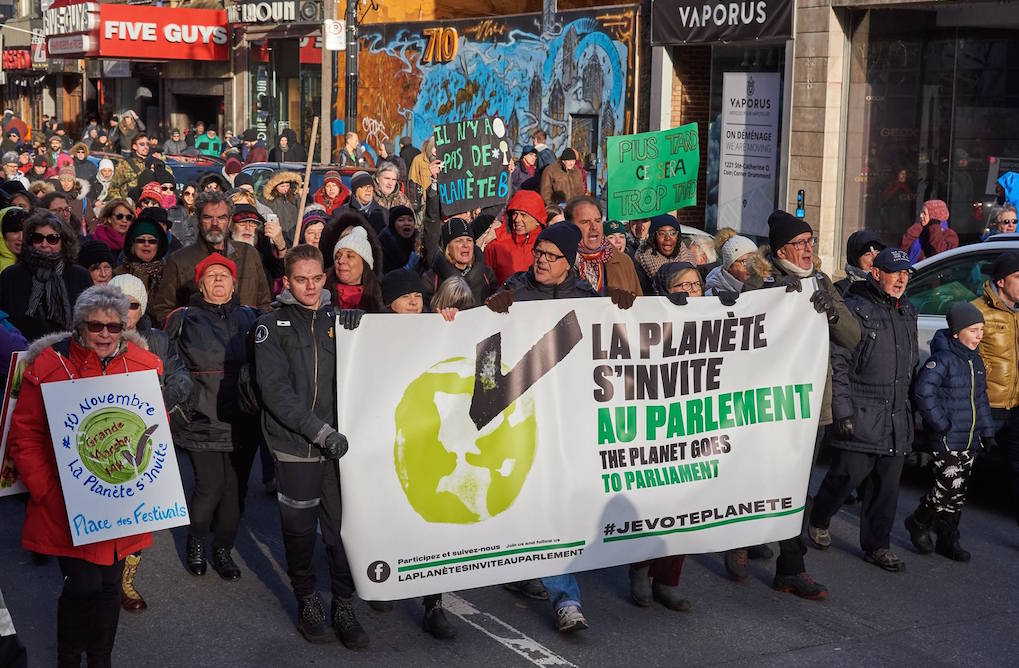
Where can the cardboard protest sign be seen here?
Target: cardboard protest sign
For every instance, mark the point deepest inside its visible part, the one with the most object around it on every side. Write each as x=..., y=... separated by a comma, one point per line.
x=475, y=159
x=115, y=455
x=9, y=483
x=652, y=172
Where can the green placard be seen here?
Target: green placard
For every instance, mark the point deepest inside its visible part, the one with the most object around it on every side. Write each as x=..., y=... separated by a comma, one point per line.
x=652, y=172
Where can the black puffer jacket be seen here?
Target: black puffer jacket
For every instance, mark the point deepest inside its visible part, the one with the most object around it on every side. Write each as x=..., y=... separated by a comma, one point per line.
x=526, y=288
x=212, y=341
x=295, y=366
x=479, y=276
x=871, y=382
x=951, y=395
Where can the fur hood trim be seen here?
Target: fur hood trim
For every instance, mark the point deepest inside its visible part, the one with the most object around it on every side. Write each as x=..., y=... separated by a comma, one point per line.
x=42, y=343
x=278, y=178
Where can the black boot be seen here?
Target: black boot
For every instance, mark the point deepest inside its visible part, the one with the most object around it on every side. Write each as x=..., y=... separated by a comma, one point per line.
x=311, y=619
x=72, y=629
x=105, y=615
x=947, y=527
x=224, y=564
x=919, y=527
x=196, y=555
x=345, y=624
x=435, y=621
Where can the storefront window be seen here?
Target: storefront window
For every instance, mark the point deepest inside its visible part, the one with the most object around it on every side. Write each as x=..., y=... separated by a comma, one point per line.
x=286, y=88
x=932, y=113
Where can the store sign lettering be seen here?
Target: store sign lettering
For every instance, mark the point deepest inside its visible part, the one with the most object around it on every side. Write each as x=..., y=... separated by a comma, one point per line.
x=262, y=12
x=172, y=32
x=693, y=21
x=71, y=19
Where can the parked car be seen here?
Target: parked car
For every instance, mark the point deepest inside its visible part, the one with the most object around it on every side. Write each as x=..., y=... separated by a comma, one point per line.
x=955, y=275
x=261, y=171
x=185, y=168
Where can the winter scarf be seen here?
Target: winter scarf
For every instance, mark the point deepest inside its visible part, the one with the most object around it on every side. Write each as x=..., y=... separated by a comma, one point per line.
x=154, y=269
x=110, y=237
x=349, y=296
x=48, y=299
x=855, y=274
x=650, y=260
x=916, y=248
x=105, y=183
x=721, y=280
x=790, y=268
x=591, y=265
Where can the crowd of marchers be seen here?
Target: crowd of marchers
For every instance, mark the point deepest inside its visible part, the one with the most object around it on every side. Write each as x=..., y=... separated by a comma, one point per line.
x=232, y=298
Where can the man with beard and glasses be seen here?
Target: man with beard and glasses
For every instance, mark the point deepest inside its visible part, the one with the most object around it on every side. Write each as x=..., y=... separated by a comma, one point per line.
x=214, y=211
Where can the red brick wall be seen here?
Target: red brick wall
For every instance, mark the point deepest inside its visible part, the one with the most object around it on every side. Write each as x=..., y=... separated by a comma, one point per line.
x=691, y=96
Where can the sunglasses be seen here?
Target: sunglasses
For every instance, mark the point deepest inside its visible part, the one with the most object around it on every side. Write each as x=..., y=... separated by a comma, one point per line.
x=38, y=238
x=146, y=241
x=134, y=307
x=167, y=187
x=96, y=327
x=189, y=193
x=124, y=216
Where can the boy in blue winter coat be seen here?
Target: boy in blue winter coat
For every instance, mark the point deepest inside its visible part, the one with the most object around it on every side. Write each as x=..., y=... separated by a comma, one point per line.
x=951, y=394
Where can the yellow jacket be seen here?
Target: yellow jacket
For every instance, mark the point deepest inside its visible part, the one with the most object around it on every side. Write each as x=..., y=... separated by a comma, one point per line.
x=999, y=348
x=7, y=257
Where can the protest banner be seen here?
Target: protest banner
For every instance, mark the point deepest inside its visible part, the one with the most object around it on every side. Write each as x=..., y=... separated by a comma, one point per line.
x=118, y=471
x=475, y=159
x=652, y=172
x=9, y=483
x=572, y=435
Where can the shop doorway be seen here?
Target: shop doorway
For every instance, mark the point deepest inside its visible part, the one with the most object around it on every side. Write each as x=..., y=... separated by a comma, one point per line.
x=191, y=108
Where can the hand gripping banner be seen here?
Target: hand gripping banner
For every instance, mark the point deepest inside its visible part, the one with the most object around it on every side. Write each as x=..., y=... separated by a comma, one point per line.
x=572, y=435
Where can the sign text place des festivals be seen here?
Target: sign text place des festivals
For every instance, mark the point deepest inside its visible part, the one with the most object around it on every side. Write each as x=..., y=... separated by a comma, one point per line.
x=652, y=172
x=475, y=157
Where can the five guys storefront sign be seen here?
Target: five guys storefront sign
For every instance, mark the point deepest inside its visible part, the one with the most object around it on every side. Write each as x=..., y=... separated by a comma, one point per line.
x=682, y=21
x=137, y=32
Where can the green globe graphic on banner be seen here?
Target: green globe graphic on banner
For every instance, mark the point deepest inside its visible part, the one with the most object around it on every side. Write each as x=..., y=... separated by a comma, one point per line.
x=450, y=471
x=113, y=444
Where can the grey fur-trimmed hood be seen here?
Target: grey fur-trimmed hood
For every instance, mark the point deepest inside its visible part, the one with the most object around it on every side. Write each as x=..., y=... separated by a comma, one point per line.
x=39, y=345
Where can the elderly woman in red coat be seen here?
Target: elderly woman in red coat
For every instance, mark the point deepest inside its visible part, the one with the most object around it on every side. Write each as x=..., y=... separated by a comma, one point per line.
x=89, y=605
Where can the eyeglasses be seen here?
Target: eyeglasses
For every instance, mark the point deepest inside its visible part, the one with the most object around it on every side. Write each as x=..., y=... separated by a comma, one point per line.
x=146, y=241
x=215, y=219
x=81, y=151
x=671, y=234
x=111, y=327
x=687, y=286
x=802, y=245
x=51, y=239
x=134, y=307
x=61, y=210
x=124, y=216
x=545, y=255
x=189, y=193
x=167, y=187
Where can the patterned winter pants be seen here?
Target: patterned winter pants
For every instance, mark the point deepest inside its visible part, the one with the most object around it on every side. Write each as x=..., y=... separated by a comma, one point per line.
x=951, y=477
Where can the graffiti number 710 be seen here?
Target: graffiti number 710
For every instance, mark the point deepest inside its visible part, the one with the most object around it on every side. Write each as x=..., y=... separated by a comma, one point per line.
x=442, y=45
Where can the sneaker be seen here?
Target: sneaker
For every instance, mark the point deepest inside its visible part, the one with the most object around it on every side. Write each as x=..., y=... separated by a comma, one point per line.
x=736, y=564
x=224, y=564
x=821, y=538
x=345, y=625
x=529, y=588
x=569, y=618
x=760, y=552
x=311, y=619
x=437, y=624
x=886, y=559
x=801, y=585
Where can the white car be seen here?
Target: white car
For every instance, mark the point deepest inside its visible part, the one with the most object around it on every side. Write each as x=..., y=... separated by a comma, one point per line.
x=955, y=275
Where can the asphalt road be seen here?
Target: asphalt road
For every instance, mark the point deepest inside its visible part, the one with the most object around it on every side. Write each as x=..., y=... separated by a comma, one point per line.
x=937, y=613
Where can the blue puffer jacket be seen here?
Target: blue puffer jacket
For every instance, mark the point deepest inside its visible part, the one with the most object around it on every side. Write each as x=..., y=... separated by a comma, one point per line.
x=951, y=393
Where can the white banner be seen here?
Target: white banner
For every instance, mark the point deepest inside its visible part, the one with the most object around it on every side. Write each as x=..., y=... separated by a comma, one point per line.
x=115, y=455
x=571, y=435
x=749, y=150
x=9, y=482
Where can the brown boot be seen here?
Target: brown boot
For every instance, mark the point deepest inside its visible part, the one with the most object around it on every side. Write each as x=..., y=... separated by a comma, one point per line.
x=131, y=600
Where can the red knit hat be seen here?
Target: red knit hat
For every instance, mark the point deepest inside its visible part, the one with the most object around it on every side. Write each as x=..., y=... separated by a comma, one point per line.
x=530, y=202
x=936, y=209
x=215, y=258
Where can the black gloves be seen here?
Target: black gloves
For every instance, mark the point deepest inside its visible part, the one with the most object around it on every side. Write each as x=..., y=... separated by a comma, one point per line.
x=790, y=283
x=678, y=298
x=727, y=297
x=335, y=446
x=844, y=427
x=350, y=318
x=621, y=298
x=824, y=303
x=500, y=302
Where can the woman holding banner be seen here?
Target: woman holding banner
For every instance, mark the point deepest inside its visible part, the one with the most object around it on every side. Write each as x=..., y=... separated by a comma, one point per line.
x=89, y=605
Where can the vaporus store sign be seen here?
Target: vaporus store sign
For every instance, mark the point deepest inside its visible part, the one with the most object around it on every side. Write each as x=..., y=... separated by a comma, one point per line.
x=572, y=435
x=682, y=21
